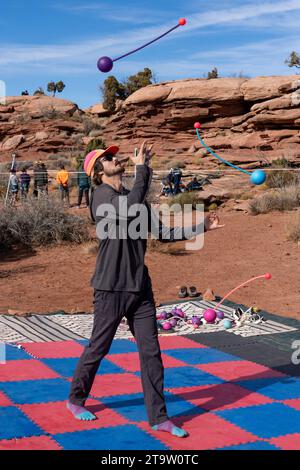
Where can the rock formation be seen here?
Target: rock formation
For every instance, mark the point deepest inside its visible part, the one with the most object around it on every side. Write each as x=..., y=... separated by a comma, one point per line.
x=36, y=126
x=247, y=121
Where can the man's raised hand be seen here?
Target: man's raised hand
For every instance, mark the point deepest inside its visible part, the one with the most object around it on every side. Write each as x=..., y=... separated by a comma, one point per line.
x=212, y=222
x=144, y=156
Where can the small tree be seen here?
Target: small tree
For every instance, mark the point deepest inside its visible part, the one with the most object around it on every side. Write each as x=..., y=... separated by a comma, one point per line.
x=293, y=60
x=95, y=144
x=57, y=87
x=140, y=80
x=112, y=91
x=51, y=88
x=213, y=73
x=60, y=86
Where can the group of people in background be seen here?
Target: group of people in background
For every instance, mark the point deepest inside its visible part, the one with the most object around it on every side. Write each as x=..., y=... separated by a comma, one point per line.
x=171, y=185
x=21, y=184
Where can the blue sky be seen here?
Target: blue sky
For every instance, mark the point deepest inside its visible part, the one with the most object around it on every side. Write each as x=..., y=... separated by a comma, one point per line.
x=47, y=40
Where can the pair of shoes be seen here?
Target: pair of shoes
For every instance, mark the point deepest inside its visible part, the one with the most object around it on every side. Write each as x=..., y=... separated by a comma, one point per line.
x=187, y=291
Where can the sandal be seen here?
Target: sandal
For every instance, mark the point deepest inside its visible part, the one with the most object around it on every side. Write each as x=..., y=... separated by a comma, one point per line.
x=192, y=291
x=182, y=292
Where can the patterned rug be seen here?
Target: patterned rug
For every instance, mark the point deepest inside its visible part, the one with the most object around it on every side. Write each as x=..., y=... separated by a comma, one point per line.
x=39, y=328
x=221, y=399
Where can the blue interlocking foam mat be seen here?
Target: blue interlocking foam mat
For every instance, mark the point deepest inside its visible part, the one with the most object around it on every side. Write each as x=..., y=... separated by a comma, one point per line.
x=223, y=400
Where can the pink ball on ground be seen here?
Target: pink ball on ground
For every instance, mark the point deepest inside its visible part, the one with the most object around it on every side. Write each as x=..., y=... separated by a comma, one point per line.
x=210, y=315
x=268, y=276
x=167, y=326
x=220, y=315
x=197, y=125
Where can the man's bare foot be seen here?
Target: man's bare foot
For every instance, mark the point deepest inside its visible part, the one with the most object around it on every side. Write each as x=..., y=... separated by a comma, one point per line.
x=168, y=426
x=81, y=413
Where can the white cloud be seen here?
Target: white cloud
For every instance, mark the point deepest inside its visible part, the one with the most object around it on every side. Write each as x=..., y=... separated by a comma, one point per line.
x=112, y=12
x=233, y=15
x=255, y=58
x=273, y=47
x=2, y=92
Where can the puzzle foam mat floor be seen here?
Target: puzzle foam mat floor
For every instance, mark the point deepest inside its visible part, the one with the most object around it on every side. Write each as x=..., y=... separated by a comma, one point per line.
x=222, y=399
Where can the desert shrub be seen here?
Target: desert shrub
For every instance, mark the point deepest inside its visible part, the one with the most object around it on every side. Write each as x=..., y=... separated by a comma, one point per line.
x=293, y=230
x=39, y=91
x=89, y=125
x=293, y=60
x=95, y=144
x=213, y=73
x=50, y=112
x=179, y=164
x=5, y=167
x=284, y=199
x=77, y=138
x=165, y=160
x=39, y=223
x=54, y=156
x=28, y=164
x=3, y=186
x=22, y=118
x=96, y=132
x=282, y=178
x=245, y=196
x=281, y=163
x=185, y=198
x=56, y=164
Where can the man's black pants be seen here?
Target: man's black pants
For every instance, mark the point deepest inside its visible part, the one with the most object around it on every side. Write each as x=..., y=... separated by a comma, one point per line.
x=139, y=309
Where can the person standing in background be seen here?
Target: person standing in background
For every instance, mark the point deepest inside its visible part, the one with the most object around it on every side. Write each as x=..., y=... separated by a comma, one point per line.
x=13, y=187
x=25, y=183
x=84, y=183
x=62, y=178
x=40, y=180
x=175, y=177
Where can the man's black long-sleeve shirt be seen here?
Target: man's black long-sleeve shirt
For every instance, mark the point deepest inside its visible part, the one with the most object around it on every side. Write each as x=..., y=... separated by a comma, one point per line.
x=120, y=262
